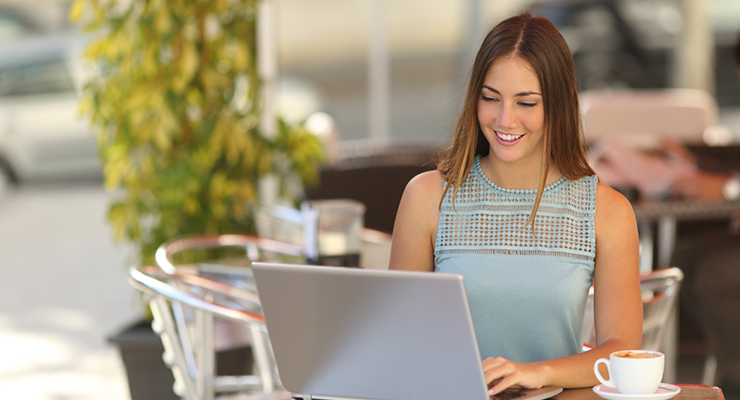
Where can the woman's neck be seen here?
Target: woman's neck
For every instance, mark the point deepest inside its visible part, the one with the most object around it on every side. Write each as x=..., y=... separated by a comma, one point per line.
x=516, y=175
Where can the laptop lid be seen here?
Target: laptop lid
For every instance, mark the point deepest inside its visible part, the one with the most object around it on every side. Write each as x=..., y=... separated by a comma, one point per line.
x=370, y=334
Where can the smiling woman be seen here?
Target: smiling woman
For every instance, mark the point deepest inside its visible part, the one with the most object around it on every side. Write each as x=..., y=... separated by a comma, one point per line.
x=510, y=112
x=516, y=210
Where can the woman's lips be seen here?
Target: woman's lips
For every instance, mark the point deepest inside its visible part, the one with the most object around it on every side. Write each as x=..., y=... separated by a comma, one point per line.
x=507, y=139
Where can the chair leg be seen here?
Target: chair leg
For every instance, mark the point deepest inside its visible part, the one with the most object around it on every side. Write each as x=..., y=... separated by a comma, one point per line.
x=206, y=354
x=185, y=342
x=260, y=348
x=710, y=370
x=161, y=313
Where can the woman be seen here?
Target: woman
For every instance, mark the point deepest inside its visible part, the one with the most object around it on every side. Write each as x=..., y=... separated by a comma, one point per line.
x=515, y=208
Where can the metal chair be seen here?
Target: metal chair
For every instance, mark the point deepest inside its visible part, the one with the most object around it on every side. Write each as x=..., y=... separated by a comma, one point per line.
x=659, y=298
x=184, y=308
x=231, y=278
x=228, y=282
x=257, y=248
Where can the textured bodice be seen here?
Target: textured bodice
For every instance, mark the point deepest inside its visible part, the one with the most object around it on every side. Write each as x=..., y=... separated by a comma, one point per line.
x=526, y=289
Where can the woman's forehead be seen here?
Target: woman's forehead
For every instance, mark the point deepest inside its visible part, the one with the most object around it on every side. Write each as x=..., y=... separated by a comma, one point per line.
x=512, y=71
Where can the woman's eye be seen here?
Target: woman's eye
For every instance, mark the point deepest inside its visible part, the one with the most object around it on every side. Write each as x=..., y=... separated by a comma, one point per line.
x=488, y=99
x=528, y=105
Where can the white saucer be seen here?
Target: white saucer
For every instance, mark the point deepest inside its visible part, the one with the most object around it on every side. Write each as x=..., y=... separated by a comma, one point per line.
x=665, y=391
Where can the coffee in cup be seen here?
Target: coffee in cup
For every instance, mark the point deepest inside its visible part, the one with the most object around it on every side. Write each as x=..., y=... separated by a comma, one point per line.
x=632, y=371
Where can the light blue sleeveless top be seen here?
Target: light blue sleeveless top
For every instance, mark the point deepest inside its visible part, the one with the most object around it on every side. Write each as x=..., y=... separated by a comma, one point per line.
x=527, y=292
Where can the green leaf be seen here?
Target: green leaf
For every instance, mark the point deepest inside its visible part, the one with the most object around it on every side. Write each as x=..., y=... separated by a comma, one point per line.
x=75, y=12
x=177, y=132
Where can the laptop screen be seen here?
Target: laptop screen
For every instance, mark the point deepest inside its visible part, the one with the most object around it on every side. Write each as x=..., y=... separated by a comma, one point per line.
x=370, y=334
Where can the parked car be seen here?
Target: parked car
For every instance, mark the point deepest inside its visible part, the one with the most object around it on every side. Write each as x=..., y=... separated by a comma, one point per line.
x=42, y=135
x=15, y=24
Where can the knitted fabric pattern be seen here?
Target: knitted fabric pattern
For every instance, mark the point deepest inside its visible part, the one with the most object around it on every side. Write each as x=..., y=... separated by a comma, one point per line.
x=489, y=219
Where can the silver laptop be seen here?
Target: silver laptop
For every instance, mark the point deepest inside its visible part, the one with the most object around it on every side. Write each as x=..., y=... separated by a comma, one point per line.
x=353, y=333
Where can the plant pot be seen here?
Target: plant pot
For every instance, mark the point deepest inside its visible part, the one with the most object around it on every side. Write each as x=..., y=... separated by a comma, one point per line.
x=149, y=378
x=141, y=351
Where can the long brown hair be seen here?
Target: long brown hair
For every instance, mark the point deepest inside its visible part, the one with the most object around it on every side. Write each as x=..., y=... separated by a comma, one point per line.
x=536, y=40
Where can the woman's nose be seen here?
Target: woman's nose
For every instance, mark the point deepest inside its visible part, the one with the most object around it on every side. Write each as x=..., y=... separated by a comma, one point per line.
x=507, y=117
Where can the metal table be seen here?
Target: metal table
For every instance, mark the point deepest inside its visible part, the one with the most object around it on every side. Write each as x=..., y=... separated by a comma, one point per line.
x=665, y=215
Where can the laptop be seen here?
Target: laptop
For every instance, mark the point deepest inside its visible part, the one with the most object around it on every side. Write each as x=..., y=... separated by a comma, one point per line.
x=350, y=333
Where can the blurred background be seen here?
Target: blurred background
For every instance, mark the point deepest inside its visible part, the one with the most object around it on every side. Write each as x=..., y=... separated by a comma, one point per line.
x=389, y=71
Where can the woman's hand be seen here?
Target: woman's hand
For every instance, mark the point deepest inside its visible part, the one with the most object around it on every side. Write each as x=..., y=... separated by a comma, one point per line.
x=502, y=374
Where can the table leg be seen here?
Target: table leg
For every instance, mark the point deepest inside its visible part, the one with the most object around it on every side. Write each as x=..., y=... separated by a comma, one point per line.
x=666, y=240
x=666, y=237
x=646, y=246
x=670, y=348
x=666, y=245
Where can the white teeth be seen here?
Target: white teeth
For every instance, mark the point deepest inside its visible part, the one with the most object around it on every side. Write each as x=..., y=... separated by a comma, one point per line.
x=506, y=137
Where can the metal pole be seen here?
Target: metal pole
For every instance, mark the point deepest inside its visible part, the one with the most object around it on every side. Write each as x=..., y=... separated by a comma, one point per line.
x=472, y=35
x=694, y=61
x=267, y=68
x=378, y=74
x=267, y=60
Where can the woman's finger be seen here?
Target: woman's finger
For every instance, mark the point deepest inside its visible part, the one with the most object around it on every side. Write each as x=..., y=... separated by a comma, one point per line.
x=512, y=379
x=492, y=362
x=496, y=370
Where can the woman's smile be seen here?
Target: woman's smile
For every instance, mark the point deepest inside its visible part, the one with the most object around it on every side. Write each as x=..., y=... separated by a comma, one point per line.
x=511, y=114
x=507, y=138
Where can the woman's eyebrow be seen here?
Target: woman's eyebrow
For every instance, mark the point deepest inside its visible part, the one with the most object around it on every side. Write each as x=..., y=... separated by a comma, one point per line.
x=518, y=94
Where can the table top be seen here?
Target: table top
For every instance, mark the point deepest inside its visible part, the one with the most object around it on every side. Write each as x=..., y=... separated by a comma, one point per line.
x=651, y=210
x=688, y=392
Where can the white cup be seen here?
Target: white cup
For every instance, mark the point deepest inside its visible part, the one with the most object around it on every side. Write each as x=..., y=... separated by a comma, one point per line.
x=633, y=371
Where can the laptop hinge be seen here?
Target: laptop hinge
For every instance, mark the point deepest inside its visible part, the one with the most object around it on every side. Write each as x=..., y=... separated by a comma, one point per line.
x=302, y=396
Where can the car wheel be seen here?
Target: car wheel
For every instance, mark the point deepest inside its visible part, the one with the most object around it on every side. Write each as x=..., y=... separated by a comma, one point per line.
x=7, y=182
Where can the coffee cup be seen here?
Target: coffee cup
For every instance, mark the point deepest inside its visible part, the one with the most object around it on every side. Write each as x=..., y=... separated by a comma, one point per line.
x=632, y=371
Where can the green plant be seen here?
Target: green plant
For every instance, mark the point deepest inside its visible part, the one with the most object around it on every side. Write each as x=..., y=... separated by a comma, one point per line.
x=175, y=104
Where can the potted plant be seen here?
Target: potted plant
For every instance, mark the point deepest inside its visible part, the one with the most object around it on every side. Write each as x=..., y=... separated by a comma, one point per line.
x=175, y=103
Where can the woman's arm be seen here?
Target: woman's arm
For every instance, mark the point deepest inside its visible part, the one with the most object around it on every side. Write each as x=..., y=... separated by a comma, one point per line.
x=415, y=229
x=618, y=298
x=617, y=305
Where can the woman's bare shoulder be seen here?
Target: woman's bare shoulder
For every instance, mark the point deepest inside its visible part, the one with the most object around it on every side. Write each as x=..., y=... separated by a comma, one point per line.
x=420, y=201
x=427, y=183
x=416, y=223
x=612, y=207
x=608, y=197
x=423, y=194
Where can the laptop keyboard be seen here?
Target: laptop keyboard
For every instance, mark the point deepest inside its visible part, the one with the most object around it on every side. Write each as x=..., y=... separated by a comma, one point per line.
x=507, y=395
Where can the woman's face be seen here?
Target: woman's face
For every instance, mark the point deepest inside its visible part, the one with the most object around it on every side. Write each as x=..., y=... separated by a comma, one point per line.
x=511, y=113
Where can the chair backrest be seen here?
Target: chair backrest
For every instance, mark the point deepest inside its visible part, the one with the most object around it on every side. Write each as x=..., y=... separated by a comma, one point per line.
x=659, y=297
x=640, y=114
x=257, y=248
x=184, y=308
x=660, y=290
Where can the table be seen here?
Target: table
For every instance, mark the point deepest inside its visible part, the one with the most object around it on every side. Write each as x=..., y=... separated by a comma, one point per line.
x=666, y=214
x=688, y=392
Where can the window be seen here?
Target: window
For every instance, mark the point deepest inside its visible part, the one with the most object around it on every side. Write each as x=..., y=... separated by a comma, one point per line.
x=37, y=77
